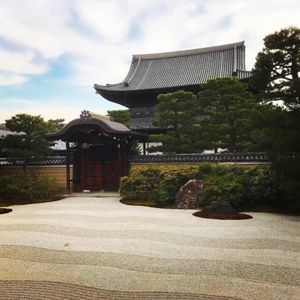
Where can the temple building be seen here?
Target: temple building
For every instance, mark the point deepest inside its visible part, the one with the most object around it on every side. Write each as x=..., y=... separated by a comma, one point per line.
x=152, y=74
x=98, y=148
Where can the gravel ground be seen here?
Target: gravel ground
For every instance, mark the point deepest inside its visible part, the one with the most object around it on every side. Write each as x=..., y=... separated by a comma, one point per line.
x=98, y=248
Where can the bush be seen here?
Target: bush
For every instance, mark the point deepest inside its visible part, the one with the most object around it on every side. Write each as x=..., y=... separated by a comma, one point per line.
x=155, y=183
x=240, y=186
x=290, y=195
x=287, y=173
x=141, y=183
x=260, y=186
x=172, y=179
x=226, y=188
x=210, y=169
x=26, y=188
x=236, y=185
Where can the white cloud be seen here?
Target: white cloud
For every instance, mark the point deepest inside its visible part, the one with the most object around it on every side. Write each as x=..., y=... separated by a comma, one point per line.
x=68, y=113
x=100, y=36
x=21, y=62
x=10, y=79
x=48, y=108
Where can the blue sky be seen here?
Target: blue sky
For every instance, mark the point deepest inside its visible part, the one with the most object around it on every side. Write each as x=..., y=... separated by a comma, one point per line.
x=53, y=51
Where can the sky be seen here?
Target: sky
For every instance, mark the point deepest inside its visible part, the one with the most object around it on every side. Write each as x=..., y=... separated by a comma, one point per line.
x=53, y=51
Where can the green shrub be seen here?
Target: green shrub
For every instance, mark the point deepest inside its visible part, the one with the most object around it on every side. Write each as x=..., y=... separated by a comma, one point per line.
x=240, y=186
x=290, y=195
x=141, y=183
x=155, y=183
x=172, y=179
x=260, y=186
x=287, y=173
x=211, y=169
x=26, y=188
x=226, y=188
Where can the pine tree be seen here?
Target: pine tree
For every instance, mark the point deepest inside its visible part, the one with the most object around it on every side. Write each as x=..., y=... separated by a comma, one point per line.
x=175, y=113
x=228, y=107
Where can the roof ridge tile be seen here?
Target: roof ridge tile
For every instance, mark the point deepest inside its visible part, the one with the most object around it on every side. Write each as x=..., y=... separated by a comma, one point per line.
x=187, y=52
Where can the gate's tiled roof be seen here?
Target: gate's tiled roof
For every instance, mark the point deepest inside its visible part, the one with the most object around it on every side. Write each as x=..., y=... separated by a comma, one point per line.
x=90, y=118
x=182, y=68
x=43, y=161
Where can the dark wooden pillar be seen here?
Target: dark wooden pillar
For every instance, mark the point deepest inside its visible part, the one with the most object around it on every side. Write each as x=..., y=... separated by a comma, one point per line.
x=123, y=158
x=126, y=159
x=68, y=167
x=144, y=148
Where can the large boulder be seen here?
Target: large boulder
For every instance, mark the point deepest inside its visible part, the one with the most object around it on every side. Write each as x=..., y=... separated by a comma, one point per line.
x=189, y=195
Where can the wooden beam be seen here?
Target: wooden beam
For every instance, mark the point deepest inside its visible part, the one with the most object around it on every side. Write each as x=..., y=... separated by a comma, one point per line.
x=68, y=168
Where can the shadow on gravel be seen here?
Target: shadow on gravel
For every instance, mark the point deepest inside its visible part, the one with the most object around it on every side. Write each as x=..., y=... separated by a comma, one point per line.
x=219, y=216
x=5, y=210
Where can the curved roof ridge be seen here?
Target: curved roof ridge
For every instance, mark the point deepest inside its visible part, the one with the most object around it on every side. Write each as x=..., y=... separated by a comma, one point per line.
x=187, y=52
x=99, y=116
x=106, y=125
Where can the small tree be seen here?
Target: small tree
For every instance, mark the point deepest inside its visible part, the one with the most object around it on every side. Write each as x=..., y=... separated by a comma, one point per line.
x=277, y=67
x=176, y=113
x=120, y=116
x=55, y=124
x=276, y=77
x=28, y=139
x=228, y=107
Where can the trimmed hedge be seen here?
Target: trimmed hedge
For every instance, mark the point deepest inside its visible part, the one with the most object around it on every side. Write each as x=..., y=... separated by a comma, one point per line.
x=237, y=185
x=156, y=183
x=28, y=187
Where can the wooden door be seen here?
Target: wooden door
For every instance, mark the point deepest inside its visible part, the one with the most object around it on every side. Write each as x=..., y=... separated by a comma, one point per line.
x=101, y=168
x=112, y=174
x=94, y=176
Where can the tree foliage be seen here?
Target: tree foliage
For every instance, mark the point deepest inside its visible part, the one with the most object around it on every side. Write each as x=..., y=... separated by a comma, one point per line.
x=175, y=113
x=28, y=138
x=55, y=124
x=276, y=77
x=277, y=68
x=120, y=116
x=218, y=118
x=229, y=108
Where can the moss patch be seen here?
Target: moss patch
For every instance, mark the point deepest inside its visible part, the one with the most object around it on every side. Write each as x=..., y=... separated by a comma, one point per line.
x=148, y=203
x=33, y=201
x=219, y=216
x=5, y=210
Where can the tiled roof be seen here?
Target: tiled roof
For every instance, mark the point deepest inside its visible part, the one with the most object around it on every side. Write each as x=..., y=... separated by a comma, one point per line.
x=182, y=68
x=141, y=123
x=243, y=74
x=90, y=118
x=198, y=157
x=45, y=161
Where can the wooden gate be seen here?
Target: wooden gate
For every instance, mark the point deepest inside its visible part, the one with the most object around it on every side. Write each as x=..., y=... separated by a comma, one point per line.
x=100, y=168
x=94, y=176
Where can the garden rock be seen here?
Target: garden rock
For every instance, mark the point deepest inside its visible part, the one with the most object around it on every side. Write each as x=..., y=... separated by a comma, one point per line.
x=189, y=195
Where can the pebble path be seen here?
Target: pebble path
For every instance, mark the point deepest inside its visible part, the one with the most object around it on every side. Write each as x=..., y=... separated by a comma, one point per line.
x=99, y=248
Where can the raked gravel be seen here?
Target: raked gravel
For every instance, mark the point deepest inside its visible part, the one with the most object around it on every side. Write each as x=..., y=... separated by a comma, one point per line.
x=98, y=248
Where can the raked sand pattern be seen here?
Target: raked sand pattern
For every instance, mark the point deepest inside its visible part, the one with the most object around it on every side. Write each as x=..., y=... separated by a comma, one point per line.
x=99, y=248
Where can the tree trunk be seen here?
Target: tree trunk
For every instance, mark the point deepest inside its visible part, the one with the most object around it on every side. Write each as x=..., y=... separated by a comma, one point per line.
x=232, y=142
x=24, y=167
x=294, y=71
